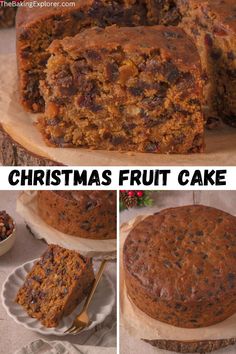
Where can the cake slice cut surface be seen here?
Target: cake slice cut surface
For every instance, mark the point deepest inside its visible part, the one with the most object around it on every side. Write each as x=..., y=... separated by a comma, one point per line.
x=129, y=89
x=212, y=25
x=37, y=27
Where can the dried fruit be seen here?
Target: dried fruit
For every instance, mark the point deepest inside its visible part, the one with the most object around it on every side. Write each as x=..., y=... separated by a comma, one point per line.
x=6, y=225
x=208, y=40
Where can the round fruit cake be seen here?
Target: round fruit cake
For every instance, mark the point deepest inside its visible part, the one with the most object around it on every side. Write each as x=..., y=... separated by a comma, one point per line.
x=180, y=266
x=87, y=214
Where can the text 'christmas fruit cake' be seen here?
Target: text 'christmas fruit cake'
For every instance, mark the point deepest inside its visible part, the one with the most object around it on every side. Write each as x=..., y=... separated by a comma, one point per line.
x=87, y=214
x=57, y=283
x=212, y=25
x=180, y=266
x=38, y=27
x=129, y=88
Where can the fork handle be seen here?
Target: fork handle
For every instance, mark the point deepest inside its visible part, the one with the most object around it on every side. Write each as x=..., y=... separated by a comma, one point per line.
x=95, y=284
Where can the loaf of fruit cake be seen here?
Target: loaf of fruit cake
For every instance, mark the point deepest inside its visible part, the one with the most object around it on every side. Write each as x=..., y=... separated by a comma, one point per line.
x=56, y=284
x=212, y=25
x=38, y=27
x=7, y=16
x=87, y=214
x=129, y=88
x=180, y=266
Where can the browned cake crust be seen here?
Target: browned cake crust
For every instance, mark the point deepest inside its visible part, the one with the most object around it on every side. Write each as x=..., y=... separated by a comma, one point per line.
x=87, y=214
x=38, y=27
x=212, y=25
x=129, y=88
x=7, y=16
x=180, y=266
x=57, y=283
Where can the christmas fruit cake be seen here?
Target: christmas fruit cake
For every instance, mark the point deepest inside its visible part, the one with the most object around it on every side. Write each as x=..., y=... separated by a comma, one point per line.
x=128, y=88
x=87, y=214
x=7, y=16
x=38, y=27
x=212, y=25
x=180, y=266
x=57, y=283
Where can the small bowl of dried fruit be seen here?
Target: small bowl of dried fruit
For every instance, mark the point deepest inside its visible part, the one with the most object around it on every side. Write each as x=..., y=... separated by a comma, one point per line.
x=7, y=232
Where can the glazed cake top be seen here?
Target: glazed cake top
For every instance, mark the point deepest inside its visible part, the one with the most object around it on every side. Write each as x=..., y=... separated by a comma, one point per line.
x=184, y=253
x=171, y=41
x=90, y=199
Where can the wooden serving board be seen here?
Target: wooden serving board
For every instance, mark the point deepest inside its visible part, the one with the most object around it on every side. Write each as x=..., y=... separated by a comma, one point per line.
x=22, y=144
x=202, y=347
x=14, y=154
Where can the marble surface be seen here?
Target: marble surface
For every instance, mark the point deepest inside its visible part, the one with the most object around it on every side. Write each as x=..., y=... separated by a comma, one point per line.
x=14, y=336
x=225, y=200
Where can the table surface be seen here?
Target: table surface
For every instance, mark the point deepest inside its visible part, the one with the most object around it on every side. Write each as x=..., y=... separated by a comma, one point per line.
x=14, y=336
x=225, y=200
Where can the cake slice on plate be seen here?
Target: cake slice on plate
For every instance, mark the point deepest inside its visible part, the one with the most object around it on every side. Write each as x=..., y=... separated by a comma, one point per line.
x=57, y=283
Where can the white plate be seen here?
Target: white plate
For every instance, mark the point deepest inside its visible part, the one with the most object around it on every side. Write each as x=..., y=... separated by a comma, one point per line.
x=99, y=309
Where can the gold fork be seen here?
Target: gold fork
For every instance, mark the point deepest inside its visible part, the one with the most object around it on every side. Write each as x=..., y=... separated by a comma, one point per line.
x=82, y=319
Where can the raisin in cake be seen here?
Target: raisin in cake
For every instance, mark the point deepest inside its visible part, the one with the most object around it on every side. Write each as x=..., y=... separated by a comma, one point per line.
x=87, y=214
x=180, y=266
x=38, y=27
x=7, y=16
x=57, y=283
x=129, y=88
x=212, y=25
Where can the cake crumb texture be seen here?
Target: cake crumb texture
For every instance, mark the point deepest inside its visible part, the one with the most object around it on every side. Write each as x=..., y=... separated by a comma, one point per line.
x=128, y=89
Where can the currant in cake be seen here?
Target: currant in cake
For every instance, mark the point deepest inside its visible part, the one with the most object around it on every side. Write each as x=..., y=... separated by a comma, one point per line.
x=56, y=284
x=128, y=88
x=180, y=266
x=87, y=214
